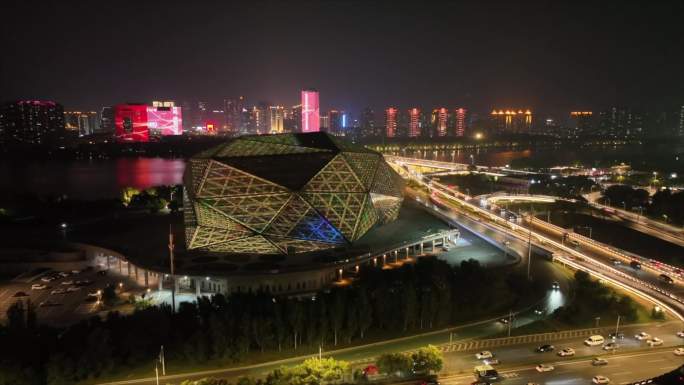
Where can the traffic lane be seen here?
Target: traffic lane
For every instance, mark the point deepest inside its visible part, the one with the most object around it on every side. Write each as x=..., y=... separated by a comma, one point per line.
x=516, y=354
x=620, y=369
x=645, y=275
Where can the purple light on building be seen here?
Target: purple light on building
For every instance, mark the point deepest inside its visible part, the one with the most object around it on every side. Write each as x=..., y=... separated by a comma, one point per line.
x=310, y=112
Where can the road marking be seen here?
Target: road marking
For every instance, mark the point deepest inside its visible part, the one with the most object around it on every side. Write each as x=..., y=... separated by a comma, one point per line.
x=660, y=360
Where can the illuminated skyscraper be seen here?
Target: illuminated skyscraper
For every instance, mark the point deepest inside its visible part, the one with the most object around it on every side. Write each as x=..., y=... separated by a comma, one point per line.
x=335, y=121
x=276, y=119
x=310, y=111
x=581, y=123
x=439, y=121
x=512, y=121
x=680, y=131
x=233, y=110
x=367, y=124
x=31, y=122
x=391, y=122
x=460, y=121
x=325, y=123
x=414, y=123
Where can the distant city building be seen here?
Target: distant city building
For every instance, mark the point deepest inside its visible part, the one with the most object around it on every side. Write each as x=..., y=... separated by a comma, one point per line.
x=367, y=124
x=620, y=123
x=31, y=122
x=460, y=120
x=439, y=121
x=233, y=111
x=107, y=120
x=276, y=115
x=84, y=122
x=512, y=121
x=163, y=103
x=680, y=131
x=335, y=121
x=293, y=119
x=581, y=123
x=391, y=122
x=414, y=123
x=310, y=111
x=325, y=123
x=263, y=119
x=201, y=114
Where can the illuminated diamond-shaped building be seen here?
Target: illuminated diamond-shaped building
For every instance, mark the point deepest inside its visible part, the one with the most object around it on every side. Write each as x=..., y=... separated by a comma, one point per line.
x=286, y=194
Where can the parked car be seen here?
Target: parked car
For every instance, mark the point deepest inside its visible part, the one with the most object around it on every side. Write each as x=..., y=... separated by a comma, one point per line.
x=37, y=286
x=641, y=336
x=484, y=355
x=544, y=368
x=567, y=352
x=545, y=348
x=63, y=274
x=47, y=279
x=600, y=380
x=75, y=271
x=69, y=282
x=598, y=361
x=655, y=341
x=58, y=291
x=48, y=303
x=73, y=288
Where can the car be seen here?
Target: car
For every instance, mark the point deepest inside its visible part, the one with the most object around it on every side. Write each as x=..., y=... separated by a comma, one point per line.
x=642, y=336
x=616, y=261
x=544, y=368
x=47, y=279
x=94, y=294
x=430, y=382
x=600, y=380
x=75, y=272
x=492, y=361
x=679, y=352
x=555, y=285
x=480, y=382
x=680, y=334
x=616, y=335
x=63, y=274
x=69, y=282
x=545, y=348
x=484, y=355
x=538, y=311
x=598, y=361
x=48, y=303
x=84, y=282
x=20, y=294
x=507, y=243
x=58, y=291
x=610, y=346
x=666, y=278
x=73, y=288
x=504, y=320
x=635, y=265
x=655, y=341
x=37, y=286
x=567, y=352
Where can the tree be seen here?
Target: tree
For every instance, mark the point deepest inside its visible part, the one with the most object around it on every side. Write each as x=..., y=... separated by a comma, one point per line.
x=394, y=364
x=337, y=312
x=109, y=295
x=428, y=359
x=365, y=312
x=409, y=306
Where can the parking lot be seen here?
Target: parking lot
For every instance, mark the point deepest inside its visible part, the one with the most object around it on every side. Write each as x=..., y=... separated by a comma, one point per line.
x=65, y=299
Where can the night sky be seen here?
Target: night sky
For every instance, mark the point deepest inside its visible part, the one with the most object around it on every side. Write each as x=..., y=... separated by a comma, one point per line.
x=549, y=57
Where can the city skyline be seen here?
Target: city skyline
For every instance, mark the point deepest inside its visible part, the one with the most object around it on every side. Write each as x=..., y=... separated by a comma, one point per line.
x=574, y=57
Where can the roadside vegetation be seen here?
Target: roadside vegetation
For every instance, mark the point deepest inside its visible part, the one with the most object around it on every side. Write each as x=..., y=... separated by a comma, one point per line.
x=254, y=327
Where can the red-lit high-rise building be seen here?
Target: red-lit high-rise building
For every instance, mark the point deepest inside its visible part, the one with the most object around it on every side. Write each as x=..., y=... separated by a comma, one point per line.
x=310, y=111
x=414, y=123
x=130, y=123
x=460, y=121
x=439, y=121
x=391, y=122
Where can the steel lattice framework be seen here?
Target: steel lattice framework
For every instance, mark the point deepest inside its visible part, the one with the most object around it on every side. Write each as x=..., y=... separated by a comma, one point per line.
x=288, y=193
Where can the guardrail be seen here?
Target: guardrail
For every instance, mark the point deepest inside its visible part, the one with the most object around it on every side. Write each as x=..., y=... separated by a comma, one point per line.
x=529, y=338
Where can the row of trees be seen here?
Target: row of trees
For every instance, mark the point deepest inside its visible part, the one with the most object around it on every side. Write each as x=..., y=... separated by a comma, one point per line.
x=381, y=304
x=666, y=204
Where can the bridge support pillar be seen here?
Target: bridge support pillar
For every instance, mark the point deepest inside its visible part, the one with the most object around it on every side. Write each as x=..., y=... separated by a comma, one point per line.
x=197, y=286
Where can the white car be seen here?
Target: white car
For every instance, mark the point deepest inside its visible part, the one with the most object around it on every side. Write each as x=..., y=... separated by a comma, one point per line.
x=75, y=271
x=610, y=346
x=544, y=368
x=69, y=282
x=37, y=286
x=680, y=334
x=484, y=354
x=47, y=279
x=73, y=288
x=679, y=352
x=600, y=380
x=655, y=341
x=567, y=352
x=642, y=336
